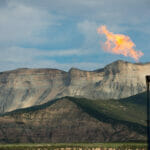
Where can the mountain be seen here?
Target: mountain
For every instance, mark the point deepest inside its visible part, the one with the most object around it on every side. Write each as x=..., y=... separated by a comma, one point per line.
x=71, y=119
x=28, y=87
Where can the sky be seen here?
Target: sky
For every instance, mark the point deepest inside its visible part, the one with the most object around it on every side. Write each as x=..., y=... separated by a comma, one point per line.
x=63, y=33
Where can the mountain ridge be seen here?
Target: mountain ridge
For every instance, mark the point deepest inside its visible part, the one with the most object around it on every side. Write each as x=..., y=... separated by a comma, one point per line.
x=28, y=87
x=75, y=68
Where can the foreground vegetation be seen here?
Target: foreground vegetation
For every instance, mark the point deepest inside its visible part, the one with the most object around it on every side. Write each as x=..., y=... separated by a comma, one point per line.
x=75, y=146
x=115, y=111
x=130, y=112
x=132, y=109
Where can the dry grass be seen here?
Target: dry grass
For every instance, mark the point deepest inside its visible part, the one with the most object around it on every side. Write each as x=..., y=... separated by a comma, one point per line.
x=75, y=146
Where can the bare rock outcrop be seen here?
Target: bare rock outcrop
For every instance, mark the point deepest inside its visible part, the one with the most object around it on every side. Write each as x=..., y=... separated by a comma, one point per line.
x=28, y=87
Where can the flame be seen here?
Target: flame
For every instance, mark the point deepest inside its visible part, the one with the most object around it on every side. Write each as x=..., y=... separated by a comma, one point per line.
x=119, y=44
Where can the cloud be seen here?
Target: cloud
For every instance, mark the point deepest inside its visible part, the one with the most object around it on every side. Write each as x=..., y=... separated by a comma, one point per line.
x=110, y=11
x=23, y=24
x=56, y=25
x=30, y=53
x=3, y=3
x=89, y=30
x=16, y=57
x=115, y=14
x=89, y=66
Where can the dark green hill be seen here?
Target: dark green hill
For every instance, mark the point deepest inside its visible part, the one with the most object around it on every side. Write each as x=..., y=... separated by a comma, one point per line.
x=114, y=111
x=132, y=109
x=71, y=119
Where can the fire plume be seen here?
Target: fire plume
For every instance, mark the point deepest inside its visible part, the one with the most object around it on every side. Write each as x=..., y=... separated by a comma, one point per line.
x=119, y=44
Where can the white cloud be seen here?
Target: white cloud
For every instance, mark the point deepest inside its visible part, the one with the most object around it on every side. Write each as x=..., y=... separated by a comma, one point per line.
x=89, y=30
x=89, y=66
x=110, y=11
x=113, y=13
x=25, y=21
x=16, y=57
x=23, y=24
x=18, y=54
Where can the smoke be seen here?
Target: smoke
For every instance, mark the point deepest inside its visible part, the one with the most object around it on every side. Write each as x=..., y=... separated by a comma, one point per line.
x=119, y=44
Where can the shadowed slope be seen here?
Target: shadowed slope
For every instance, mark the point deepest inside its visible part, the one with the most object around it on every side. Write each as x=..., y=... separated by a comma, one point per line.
x=66, y=120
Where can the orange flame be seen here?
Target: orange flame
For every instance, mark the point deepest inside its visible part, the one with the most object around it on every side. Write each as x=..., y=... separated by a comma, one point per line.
x=119, y=44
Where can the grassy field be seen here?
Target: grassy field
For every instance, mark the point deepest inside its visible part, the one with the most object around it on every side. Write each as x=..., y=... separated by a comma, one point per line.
x=75, y=146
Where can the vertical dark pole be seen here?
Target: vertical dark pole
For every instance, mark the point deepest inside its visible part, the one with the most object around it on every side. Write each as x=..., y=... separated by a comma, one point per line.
x=148, y=119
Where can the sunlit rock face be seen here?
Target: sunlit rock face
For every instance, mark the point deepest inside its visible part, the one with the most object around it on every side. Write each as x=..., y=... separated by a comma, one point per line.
x=123, y=79
x=27, y=87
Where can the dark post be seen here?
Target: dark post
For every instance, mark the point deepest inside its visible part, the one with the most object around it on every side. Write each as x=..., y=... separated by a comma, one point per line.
x=148, y=119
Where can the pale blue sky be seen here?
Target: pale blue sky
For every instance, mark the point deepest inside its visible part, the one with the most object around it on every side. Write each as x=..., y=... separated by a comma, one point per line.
x=63, y=33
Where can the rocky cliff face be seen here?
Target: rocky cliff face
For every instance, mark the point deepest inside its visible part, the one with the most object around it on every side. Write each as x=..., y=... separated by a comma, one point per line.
x=63, y=120
x=27, y=87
